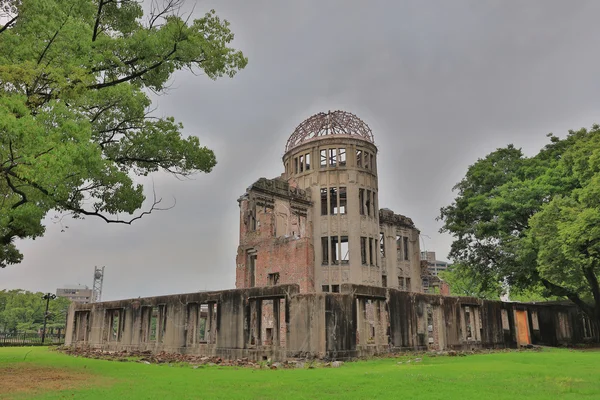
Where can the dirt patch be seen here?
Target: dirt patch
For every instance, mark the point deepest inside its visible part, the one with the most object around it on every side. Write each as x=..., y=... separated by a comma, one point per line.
x=21, y=379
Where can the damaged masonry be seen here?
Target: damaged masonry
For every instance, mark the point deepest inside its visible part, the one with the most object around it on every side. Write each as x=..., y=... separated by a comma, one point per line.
x=322, y=271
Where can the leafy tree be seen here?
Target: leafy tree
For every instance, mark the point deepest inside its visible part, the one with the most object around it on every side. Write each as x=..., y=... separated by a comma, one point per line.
x=76, y=123
x=533, y=223
x=22, y=310
x=464, y=282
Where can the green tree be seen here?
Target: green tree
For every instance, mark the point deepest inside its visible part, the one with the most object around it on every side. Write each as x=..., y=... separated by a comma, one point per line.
x=532, y=223
x=464, y=282
x=21, y=310
x=76, y=125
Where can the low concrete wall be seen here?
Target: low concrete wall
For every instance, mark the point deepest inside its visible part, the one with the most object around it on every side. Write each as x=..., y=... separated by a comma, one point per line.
x=359, y=321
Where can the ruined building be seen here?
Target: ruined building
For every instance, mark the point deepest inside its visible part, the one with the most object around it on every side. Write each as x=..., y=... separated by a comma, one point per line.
x=319, y=225
x=321, y=271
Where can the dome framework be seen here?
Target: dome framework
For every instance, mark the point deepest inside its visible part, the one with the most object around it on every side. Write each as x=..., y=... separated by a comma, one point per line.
x=329, y=123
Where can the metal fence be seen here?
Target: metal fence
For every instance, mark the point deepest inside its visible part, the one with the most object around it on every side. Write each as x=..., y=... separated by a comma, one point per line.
x=31, y=338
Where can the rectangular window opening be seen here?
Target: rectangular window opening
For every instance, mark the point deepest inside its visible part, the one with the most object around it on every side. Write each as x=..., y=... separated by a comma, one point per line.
x=382, y=244
x=401, y=283
x=153, y=322
x=344, y=250
x=295, y=165
x=332, y=158
x=363, y=250
x=399, y=246
x=325, y=288
x=202, y=324
x=325, y=250
x=371, y=252
x=323, y=201
x=368, y=203
x=343, y=200
x=342, y=157
x=301, y=162
x=408, y=288
x=307, y=160
x=384, y=280
x=333, y=201
x=335, y=288
x=366, y=160
x=252, y=269
x=334, y=250
x=323, y=160
x=405, y=247
x=361, y=201
x=359, y=155
x=273, y=279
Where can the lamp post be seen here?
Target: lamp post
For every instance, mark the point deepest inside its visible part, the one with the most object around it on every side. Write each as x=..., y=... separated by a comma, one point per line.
x=47, y=297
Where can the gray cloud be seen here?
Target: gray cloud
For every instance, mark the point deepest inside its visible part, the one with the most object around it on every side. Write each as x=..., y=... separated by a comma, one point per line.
x=440, y=83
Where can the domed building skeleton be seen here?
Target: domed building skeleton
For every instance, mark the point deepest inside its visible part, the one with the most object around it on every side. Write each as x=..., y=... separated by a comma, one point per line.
x=319, y=224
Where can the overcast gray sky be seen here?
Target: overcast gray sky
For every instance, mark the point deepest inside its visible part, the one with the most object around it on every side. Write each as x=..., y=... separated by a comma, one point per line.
x=441, y=83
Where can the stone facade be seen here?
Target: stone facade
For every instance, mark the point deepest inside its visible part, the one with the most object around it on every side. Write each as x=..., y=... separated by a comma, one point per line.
x=358, y=321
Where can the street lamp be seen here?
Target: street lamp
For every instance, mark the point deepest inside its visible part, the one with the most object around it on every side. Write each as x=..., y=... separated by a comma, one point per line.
x=47, y=297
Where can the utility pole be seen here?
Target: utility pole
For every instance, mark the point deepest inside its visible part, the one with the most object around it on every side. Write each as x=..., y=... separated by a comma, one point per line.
x=47, y=297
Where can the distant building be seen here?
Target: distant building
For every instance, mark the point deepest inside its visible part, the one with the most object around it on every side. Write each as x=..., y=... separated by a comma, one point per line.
x=434, y=266
x=76, y=293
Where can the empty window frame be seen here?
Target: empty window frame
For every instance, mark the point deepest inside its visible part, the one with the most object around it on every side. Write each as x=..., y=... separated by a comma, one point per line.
x=371, y=252
x=333, y=201
x=359, y=158
x=252, y=270
x=401, y=283
x=301, y=162
x=325, y=288
x=405, y=247
x=334, y=258
x=115, y=324
x=342, y=157
x=366, y=160
x=408, y=288
x=374, y=204
x=371, y=162
x=363, y=250
x=399, y=246
x=325, y=250
x=384, y=280
x=332, y=158
x=295, y=165
x=343, y=200
x=273, y=279
x=323, y=201
x=361, y=201
x=335, y=288
x=344, y=250
x=307, y=161
x=323, y=158
x=382, y=244
x=368, y=203
x=153, y=324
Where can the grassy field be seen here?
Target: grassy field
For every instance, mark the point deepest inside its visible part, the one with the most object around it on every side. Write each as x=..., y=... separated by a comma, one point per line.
x=549, y=374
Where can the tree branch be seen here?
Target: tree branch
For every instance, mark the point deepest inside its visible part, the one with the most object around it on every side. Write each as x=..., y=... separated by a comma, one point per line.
x=9, y=23
x=574, y=297
x=135, y=75
x=101, y=4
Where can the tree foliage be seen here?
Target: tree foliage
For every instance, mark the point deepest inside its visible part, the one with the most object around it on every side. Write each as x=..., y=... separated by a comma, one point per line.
x=76, y=123
x=533, y=222
x=21, y=310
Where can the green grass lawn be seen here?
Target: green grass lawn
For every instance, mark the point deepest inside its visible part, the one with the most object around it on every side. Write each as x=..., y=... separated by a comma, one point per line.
x=548, y=374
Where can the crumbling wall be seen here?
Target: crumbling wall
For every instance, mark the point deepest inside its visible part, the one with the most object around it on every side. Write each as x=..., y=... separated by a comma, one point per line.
x=276, y=244
x=277, y=322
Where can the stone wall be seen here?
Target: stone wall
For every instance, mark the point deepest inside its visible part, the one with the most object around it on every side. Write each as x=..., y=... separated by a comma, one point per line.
x=358, y=321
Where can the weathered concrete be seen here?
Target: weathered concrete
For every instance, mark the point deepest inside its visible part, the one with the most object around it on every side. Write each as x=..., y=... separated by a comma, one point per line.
x=358, y=321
